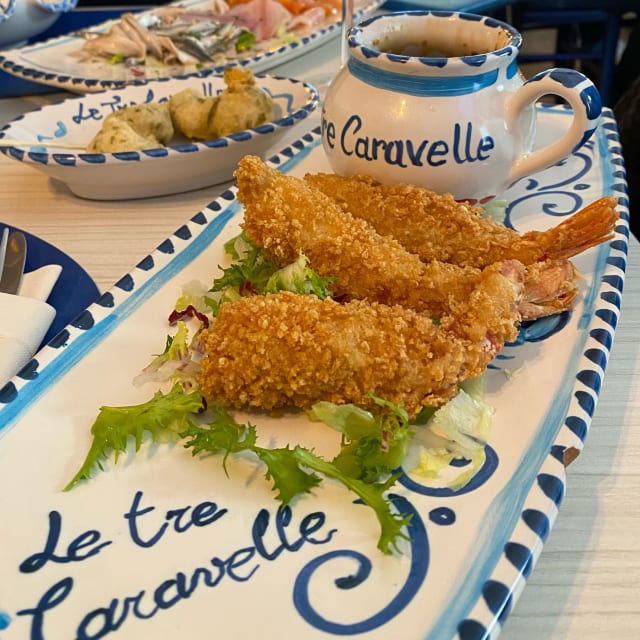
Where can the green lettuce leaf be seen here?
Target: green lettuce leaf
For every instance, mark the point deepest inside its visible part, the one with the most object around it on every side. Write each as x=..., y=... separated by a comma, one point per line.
x=295, y=471
x=164, y=416
x=253, y=272
x=374, y=444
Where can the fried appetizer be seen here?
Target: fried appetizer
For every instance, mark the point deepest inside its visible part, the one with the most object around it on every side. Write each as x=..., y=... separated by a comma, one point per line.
x=241, y=105
x=190, y=112
x=436, y=227
x=117, y=136
x=142, y=126
x=286, y=216
x=291, y=350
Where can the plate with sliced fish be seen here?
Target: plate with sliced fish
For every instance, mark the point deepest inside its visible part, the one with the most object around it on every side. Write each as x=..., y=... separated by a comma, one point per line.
x=181, y=38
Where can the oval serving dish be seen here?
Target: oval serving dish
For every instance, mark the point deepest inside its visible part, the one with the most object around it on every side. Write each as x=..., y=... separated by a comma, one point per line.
x=61, y=131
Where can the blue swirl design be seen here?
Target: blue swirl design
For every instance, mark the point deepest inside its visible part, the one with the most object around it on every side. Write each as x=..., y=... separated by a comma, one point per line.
x=483, y=474
x=520, y=554
x=417, y=573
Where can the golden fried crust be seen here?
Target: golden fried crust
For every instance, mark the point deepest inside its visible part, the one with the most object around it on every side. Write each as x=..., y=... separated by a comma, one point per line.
x=190, y=113
x=287, y=349
x=436, y=227
x=286, y=216
x=433, y=226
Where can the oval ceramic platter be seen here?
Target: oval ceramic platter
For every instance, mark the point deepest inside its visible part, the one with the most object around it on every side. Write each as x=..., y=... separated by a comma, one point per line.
x=163, y=545
x=61, y=131
x=53, y=62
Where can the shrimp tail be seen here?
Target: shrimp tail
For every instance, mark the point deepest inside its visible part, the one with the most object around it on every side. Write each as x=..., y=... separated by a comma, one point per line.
x=550, y=287
x=587, y=228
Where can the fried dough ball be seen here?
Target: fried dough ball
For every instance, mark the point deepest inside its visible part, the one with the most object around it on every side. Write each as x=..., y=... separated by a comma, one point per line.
x=141, y=126
x=149, y=119
x=241, y=105
x=118, y=135
x=190, y=112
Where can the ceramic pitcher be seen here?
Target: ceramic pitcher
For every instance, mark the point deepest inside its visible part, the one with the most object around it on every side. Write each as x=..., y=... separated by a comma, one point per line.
x=436, y=99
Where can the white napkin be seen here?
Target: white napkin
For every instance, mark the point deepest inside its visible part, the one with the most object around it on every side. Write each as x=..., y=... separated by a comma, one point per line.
x=25, y=319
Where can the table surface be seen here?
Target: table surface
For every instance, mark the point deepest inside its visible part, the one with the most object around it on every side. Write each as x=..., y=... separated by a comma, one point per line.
x=585, y=584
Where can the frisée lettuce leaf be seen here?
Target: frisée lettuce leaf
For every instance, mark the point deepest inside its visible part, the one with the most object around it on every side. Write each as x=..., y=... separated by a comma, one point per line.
x=293, y=471
x=374, y=444
x=296, y=470
x=253, y=272
x=164, y=416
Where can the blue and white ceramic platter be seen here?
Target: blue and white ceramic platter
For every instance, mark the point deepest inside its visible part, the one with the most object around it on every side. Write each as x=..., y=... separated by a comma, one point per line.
x=174, y=169
x=51, y=62
x=206, y=554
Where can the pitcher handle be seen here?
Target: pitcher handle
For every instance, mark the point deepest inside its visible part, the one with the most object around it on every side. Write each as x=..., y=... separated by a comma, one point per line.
x=585, y=101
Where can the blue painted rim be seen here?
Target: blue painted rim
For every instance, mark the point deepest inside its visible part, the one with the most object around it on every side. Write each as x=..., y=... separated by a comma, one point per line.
x=288, y=119
x=364, y=52
x=86, y=84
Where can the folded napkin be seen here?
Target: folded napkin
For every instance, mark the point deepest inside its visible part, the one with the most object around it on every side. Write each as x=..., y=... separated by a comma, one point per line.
x=25, y=319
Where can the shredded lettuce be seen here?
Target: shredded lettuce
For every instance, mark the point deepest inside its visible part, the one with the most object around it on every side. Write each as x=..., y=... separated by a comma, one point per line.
x=374, y=444
x=177, y=363
x=496, y=210
x=458, y=429
x=297, y=277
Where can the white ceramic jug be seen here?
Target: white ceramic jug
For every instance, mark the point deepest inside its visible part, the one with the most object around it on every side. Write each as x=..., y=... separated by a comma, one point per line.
x=436, y=99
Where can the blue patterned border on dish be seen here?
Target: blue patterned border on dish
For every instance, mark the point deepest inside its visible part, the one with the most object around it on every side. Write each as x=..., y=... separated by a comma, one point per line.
x=263, y=58
x=484, y=603
x=520, y=553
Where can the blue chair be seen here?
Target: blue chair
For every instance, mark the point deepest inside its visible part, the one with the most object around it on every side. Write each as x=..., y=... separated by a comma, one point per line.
x=597, y=28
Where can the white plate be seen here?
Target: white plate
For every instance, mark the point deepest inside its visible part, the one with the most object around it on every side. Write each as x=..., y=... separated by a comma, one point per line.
x=87, y=566
x=155, y=172
x=50, y=62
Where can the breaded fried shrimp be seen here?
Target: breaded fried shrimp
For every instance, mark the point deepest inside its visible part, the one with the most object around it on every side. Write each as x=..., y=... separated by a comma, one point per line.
x=286, y=349
x=436, y=227
x=286, y=216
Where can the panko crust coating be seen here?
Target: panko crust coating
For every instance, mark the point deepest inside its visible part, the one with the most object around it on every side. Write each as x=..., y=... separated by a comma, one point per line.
x=286, y=216
x=286, y=349
x=437, y=227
